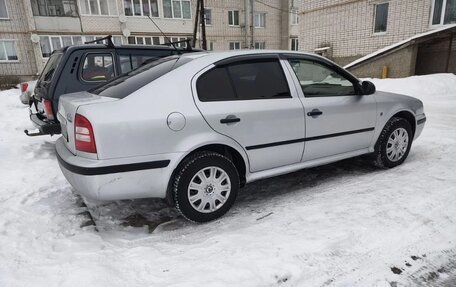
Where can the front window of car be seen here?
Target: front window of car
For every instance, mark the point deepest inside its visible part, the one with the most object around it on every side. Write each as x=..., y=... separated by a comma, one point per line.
x=318, y=80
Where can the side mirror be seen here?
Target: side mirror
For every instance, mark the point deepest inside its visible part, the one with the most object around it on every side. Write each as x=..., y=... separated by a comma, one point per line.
x=367, y=88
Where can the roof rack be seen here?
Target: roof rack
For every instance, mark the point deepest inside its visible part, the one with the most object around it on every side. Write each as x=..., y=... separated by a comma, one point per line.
x=107, y=38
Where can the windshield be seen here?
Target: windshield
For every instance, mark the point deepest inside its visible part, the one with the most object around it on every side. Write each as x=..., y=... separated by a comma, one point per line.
x=50, y=67
x=128, y=83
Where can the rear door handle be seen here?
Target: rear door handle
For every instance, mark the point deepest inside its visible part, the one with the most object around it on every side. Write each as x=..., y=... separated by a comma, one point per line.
x=230, y=119
x=315, y=113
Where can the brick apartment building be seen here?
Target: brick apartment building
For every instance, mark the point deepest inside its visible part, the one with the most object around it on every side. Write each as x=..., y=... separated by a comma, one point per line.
x=31, y=29
x=343, y=30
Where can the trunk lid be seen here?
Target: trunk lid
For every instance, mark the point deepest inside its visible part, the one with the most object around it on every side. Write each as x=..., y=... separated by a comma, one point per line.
x=68, y=107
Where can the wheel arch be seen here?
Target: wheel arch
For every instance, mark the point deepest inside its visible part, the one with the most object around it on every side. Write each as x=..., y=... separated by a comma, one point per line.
x=408, y=116
x=240, y=161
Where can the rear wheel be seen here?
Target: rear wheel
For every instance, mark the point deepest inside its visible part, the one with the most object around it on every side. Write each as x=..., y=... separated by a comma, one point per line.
x=205, y=186
x=393, y=145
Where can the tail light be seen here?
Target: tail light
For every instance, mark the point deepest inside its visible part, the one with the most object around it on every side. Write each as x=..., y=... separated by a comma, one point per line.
x=47, y=104
x=83, y=135
x=24, y=87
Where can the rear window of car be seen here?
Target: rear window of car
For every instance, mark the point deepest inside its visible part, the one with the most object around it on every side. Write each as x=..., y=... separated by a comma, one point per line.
x=50, y=67
x=129, y=83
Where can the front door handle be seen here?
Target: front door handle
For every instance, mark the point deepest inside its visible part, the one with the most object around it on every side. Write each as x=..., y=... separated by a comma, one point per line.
x=230, y=119
x=315, y=113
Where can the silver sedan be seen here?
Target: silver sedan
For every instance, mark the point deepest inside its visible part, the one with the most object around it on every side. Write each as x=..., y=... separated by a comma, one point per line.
x=195, y=128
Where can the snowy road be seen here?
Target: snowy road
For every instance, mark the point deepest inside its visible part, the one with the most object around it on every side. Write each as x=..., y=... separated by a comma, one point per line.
x=345, y=224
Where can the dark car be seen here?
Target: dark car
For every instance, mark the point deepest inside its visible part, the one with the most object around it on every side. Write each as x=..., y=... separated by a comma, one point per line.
x=84, y=67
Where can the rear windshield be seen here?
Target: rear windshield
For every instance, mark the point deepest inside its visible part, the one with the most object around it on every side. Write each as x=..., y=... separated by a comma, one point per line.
x=127, y=84
x=50, y=67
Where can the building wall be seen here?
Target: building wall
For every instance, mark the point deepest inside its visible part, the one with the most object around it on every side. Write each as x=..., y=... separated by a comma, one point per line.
x=15, y=28
x=347, y=26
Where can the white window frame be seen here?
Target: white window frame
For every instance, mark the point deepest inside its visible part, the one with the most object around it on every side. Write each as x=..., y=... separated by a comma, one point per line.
x=234, y=45
x=182, y=11
x=442, y=15
x=2, y=46
x=142, y=11
x=260, y=45
x=7, y=13
x=294, y=16
x=205, y=22
x=296, y=44
x=257, y=18
x=83, y=40
x=99, y=9
x=232, y=18
x=375, y=18
x=144, y=40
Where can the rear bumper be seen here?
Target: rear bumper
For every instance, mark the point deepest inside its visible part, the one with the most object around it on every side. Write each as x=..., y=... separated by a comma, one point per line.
x=44, y=128
x=115, y=180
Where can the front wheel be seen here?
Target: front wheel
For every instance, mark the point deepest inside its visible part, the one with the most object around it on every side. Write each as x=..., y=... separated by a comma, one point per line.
x=205, y=186
x=393, y=145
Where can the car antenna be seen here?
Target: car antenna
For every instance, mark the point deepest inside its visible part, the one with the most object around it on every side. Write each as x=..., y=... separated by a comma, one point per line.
x=164, y=35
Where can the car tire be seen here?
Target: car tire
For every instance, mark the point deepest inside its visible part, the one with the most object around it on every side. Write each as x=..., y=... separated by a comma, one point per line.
x=393, y=144
x=205, y=186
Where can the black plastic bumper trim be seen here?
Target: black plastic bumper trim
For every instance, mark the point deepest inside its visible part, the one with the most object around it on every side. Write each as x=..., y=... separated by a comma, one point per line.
x=44, y=127
x=112, y=168
x=308, y=139
x=421, y=121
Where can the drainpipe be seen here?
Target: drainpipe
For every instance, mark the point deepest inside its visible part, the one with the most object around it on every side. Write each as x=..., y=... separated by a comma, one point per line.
x=251, y=25
x=246, y=22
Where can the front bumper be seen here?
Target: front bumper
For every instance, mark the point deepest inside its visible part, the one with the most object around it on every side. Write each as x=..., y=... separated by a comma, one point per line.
x=113, y=179
x=44, y=128
x=420, y=120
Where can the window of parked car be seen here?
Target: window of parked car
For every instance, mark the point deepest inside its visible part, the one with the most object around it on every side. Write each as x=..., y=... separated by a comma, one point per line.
x=318, y=80
x=247, y=80
x=127, y=84
x=51, y=65
x=98, y=67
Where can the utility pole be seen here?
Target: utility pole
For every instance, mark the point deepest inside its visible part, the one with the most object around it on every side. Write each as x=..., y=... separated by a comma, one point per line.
x=195, y=28
x=203, y=25
x=199, y=16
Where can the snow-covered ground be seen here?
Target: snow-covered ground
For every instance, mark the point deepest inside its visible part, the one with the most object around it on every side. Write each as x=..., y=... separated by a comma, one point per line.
x=345, y=224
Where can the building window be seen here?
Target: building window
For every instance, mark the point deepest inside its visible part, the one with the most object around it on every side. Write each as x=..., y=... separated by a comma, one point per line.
x=444, y=12
x=143, y=40
x=207, y=17
x=8, y=51
x=98, y=7
x=211, y=46
x=233, y=18
x=182, y=43
x=51, y=43
x=141, y=8
x=294, y=17
x=235, y=45
x=259, y=20
x=62, y=8
x=294, y=44
x=381, y=18
x=260, y=45
x=3, y=10
x=178, y=9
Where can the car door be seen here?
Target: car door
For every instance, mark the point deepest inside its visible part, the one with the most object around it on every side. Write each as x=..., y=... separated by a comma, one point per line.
x=338, y=118
x=248, y=99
